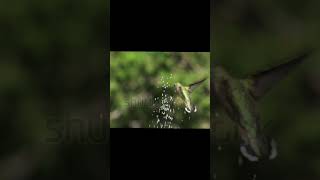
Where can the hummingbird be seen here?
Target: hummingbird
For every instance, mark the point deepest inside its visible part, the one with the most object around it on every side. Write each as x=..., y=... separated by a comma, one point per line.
x=239, y=98
x=184, y=94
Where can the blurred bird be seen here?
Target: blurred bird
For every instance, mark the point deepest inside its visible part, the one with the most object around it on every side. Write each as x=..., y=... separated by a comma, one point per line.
x=239, y=98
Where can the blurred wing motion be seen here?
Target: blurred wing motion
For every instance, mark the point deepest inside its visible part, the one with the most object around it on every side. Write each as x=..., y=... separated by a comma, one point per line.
x=262, y=82
x=194, y=85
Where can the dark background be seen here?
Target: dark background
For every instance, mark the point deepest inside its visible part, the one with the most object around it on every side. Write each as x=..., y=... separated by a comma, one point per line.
x=176, y=26
x=160, y=153
x=181, y=26
x=251, y=36
x=52, y=63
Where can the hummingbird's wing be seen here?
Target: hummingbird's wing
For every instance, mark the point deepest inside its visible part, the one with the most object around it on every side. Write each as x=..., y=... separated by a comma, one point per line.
x=263, y=81
x=194, y=85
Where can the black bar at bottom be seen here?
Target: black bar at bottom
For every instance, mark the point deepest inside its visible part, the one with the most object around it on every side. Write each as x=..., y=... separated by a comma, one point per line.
x=160, y=153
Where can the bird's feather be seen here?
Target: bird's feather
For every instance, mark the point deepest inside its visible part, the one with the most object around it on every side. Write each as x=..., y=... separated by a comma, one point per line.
x=263, y=81
x=194, y=85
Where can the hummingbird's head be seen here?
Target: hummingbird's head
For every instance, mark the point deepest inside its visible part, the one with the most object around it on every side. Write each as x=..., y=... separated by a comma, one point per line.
x=178, y=87
x=259, y=149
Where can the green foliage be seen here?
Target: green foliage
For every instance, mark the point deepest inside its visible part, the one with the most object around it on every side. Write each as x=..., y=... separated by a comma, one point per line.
x=136, y=76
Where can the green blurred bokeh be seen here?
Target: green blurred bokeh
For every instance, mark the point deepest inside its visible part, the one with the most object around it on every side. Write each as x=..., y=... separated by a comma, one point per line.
x=137, y=75
x=255, y=35
x=52, y=61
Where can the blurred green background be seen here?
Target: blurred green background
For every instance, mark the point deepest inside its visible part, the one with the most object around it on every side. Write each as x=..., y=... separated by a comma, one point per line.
x=137, y=76
x=254, y=35
x=52, y=62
